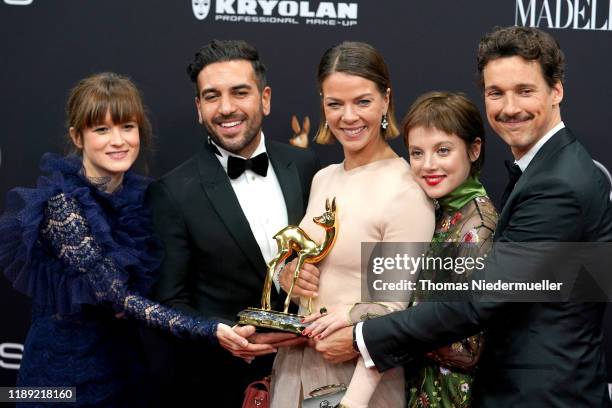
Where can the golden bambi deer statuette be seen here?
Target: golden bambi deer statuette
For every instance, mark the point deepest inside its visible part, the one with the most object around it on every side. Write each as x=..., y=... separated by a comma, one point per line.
x=289, y=240
x=293, y=239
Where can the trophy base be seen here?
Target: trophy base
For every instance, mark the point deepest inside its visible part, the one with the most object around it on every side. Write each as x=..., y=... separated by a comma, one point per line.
x=271, y=320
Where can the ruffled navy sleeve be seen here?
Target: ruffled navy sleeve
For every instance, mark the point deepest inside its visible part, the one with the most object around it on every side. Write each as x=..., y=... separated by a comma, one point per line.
x=27, y=265
x=67, y=235
x=66, y=244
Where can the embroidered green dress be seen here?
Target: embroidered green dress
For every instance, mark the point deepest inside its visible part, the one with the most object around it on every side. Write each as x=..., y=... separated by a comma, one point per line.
x=465, y=224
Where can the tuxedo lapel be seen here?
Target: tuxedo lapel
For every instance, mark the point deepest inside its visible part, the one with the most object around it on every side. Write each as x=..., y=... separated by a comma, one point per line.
x=289, y=180
x=220, y=193
x=539, y=162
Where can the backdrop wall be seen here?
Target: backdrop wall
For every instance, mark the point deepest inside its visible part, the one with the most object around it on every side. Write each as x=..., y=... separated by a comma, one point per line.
x=429, y=45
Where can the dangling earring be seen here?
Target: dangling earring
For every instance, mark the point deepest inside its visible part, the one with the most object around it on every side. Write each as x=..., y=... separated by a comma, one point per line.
x=326, y=125
x=384, y=124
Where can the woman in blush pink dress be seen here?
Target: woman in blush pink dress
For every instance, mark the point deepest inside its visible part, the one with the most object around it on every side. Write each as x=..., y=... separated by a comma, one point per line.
x=378, y=201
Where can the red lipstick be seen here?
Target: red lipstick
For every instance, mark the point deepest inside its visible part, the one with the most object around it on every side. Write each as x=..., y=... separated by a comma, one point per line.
x=433, y=180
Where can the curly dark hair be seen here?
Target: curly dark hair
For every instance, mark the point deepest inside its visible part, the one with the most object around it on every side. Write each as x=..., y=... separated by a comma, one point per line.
x=226, y=50
x=526, y=42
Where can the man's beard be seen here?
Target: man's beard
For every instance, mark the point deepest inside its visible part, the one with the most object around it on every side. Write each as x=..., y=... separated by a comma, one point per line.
x=253, y=129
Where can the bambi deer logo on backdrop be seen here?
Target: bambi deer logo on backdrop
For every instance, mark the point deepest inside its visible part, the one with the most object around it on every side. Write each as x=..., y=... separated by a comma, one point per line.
x=300, y=133
x=293, y=239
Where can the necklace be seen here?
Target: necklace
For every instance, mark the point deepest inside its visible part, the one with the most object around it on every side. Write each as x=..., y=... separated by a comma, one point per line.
x=100, y=183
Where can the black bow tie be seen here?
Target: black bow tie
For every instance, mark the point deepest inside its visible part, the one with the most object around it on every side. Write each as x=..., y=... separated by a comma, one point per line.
x=514, y=173
x=236, y=165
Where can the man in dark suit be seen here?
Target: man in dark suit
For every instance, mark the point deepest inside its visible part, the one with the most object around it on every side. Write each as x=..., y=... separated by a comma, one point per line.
x=217, y=214
x=536, y=354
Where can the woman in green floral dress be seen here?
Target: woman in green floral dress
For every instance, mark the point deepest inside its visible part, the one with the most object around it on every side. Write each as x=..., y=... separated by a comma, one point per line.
x=445, y=138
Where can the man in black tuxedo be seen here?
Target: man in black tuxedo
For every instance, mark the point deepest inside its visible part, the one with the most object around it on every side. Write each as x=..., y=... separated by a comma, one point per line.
x=217, y=214
x=536, y=354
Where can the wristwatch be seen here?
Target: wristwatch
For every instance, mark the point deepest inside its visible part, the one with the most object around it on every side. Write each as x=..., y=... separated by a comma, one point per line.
x=355, y=346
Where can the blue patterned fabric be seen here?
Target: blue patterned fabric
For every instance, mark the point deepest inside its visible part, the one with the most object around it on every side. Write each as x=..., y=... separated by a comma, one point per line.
x=85, y=256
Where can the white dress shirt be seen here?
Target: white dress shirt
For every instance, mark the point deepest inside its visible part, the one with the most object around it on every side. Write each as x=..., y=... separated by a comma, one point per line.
x=261, y=200
x=523, y=162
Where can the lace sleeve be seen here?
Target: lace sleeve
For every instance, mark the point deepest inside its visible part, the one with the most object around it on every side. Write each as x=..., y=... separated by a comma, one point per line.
x=475, y=240
x=66, y=233
x=480, y=219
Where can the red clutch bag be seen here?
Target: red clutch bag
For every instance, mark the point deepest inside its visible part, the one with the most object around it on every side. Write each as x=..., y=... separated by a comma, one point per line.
x=257, y=394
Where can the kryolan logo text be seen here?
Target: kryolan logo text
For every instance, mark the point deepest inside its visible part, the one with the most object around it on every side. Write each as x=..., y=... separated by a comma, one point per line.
x=565, y=14
x=275, y=11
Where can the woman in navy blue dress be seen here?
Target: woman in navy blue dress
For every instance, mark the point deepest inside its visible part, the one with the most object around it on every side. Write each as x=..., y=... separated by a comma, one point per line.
x=80, y=245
